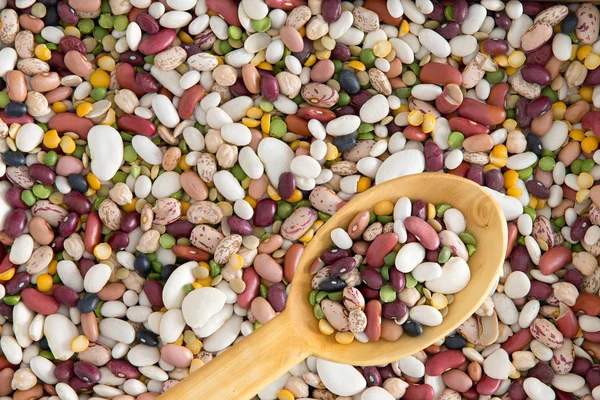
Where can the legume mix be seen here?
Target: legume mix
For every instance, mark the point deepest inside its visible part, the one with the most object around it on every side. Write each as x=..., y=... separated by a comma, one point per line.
x=164, y=163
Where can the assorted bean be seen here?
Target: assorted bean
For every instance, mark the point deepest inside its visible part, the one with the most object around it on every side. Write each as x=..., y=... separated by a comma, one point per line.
x=164, y=162
x=392, y=271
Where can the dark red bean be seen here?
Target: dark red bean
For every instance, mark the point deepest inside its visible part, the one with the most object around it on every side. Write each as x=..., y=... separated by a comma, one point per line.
x=494, y=179
x=80, y=385
x=542, y=55
x=448, y=30
x=581, y=366
x=372, y=376
x=332, y=255
x=534, y=73
x=386, y=372
x=42, y=174
x=538, y=189
x=287, y=185
x=476, y=174
x=264, y=213
x=560, y=395
x=239, y=88
x=579, y=228
x=368, y=293
x=460, y=9
x=592, y=376
x=86, y=372
x=64, y=370
x=131, y=220
x=331, y=10
x=153, y=290
x=431, y=255
x=372, y=278
x=419, y=209
x=434, y=157
x=532, y=8
x=118, y=240
x=39, y=302
x=147, y=23
x=84, y=265
x=397, y=309
x=17, y=283
x=523, y=119
x=239, y=225
x=269, y=88
x=68, y=43
x=538, y=106
x=77, y=202
x=147, y=82
x=13, y=196
x=359, y=98
x=397, y=279
x=574, y=277
x=516, y=391
x=123, y=369
x=502, y=20
x=67, y=296
x=495, y=47
x=277, y=296
x=543, y=372
x=342, y=266
x=67, y=14
x=341, y=52
x=132, y=57
x=306, y=50
x=438, y=11
x=15, y=223
x=539, y=290
x=68, y=224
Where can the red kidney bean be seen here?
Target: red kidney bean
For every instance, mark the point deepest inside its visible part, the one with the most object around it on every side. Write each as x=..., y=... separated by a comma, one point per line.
x=418, y=392
x=15, y=223
x=42, y=174
x=239, y=225
x=291, y=260
x=441, y=362
x=342, y=266
x=125, y=74
x=424, y=232
x=457, y=380
x=277, y=296
x=311, y=112
x=372, y=278
x=119, y=240
x=380, y=247
x=77, y=202
x=481, y=113
x=488, y=386
x=147, y=23
x=190, y=253
x=448, y=30
x=188, y=100
x=93, y=231
x=252, y=281
x=555, y=259
x=147, y=82
x=86, y=372
x=518, y=341
x=373, y=313
x=67, y=296
x=153, y=290
x=396, y=310
x=13, y=196
x=17, y=283
x=467, y=127
x=264, y=213
x=543, y=372
x=587, y=303
x=136, y=125
x=39, y=302
x=538, y=106
x=158, y=42
x=64, y=370
x=498, y=95
x=123, y=369
x=269, y=87
x=68, y=224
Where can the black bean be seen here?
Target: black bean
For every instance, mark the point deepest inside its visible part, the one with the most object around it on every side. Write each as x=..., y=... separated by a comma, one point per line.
x=412, y=328
x=568, y=24
x=147, y=337
x=455, y=342
x=13, y=158
x=344, y=143
x=78, y=183
x=349, y=81
x=167, y=270
x=14, y=109
x=534, y=144
x=88, y=303
x=142, y=265
x=43, y=343
x=51, y=18
x=332, y=285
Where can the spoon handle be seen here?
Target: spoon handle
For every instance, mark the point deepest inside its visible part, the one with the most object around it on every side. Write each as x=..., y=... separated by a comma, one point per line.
x=248, y=367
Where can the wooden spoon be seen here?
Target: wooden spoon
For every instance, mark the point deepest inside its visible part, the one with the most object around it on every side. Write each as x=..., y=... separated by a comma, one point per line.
x=257, y=360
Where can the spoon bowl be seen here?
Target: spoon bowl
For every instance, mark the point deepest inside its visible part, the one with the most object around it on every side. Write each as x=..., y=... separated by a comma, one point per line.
x=273, y=349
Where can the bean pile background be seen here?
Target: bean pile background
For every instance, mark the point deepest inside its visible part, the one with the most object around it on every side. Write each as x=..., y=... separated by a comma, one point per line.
x=165, y=162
